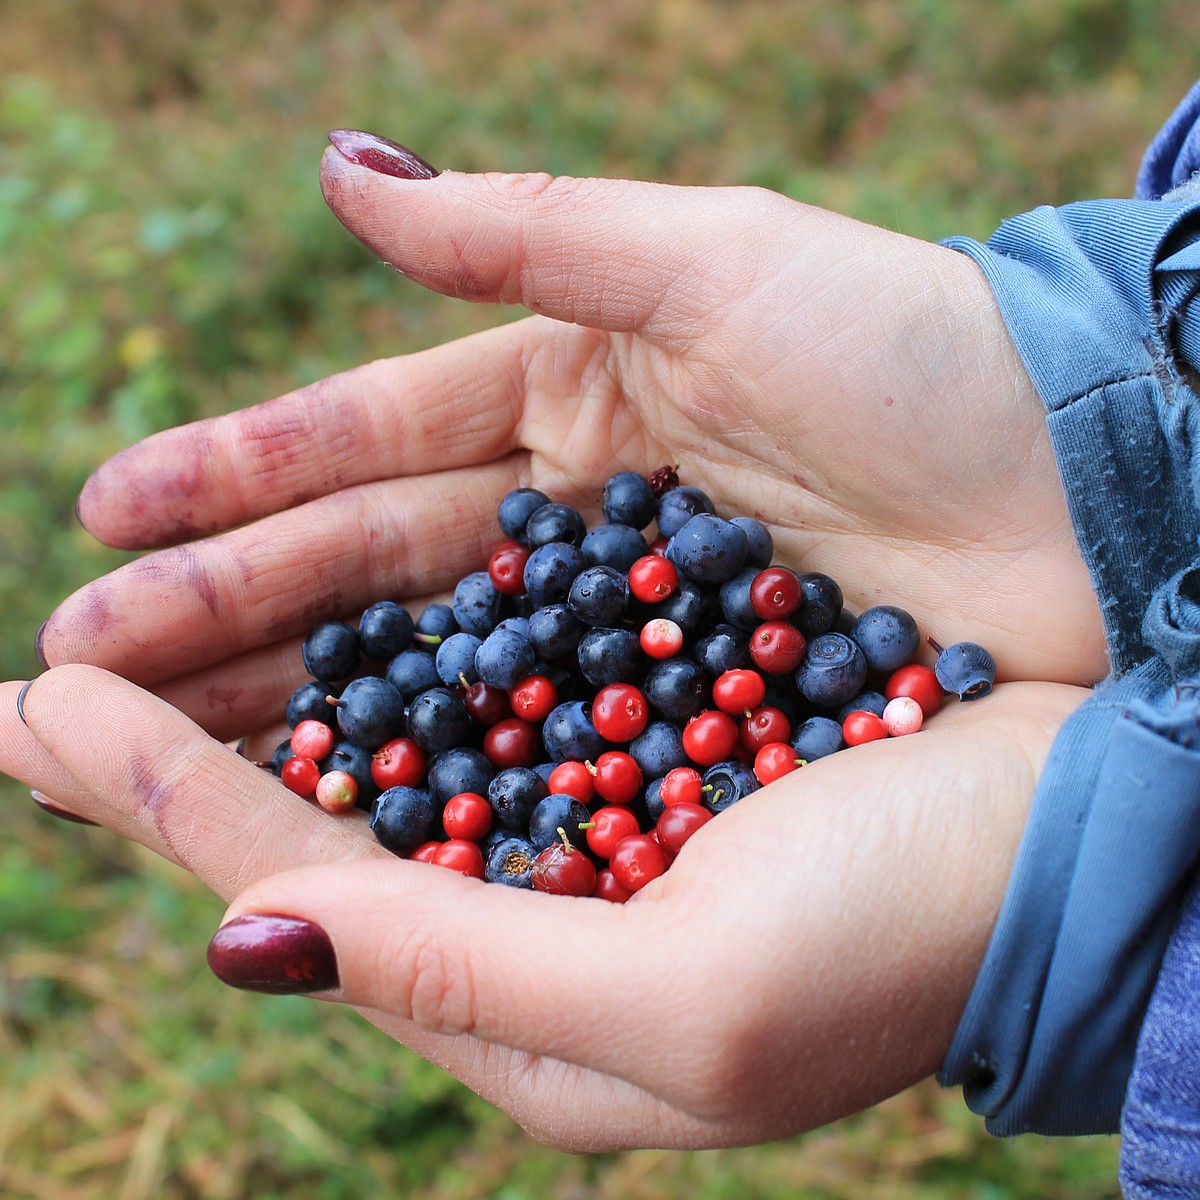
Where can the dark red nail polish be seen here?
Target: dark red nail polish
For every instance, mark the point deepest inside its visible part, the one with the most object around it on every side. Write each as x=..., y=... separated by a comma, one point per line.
x=272, y=953
x=39, y=639
x=51, y=809
x=380, y=154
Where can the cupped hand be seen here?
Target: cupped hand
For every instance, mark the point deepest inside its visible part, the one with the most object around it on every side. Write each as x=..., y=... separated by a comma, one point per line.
x=806, y=955
x=852, y=387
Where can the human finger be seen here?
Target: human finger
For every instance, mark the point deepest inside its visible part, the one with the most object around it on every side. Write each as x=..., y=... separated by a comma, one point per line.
x=176, y=609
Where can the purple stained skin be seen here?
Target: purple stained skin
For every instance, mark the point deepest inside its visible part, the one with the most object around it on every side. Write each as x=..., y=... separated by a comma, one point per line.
x=276, y=954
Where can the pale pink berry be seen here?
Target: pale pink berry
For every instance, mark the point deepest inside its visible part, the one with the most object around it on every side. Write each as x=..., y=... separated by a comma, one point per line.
x=902, y=715
x=337, y=792
x=661, y=638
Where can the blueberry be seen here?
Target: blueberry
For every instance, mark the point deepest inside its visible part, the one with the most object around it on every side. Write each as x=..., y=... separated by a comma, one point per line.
x=356, y=762
x=653, y=799
x=514, y=793
x=283, y=753
x=817, y=737
x=735, y=600
x=821, y=604
x=678, y=689
x=726, y=648
x=455, y=660
x=690, y=606
x=504, y=658
x=678, y=506
x=459, y=769
x=629, y=500
x=384, y=630
x=887, y=636
x=402, y=818
x=871, y=702
x=558, y=811
x=555, y=631
x=599, y=596
x=833, y=670
x=516, y=508
x=658, y=749
x=308, y=703
x=966, y=669
x=610, y=656
x=568, y=733
x=434, y=625
x=437, y=720
x=726, y=783
x=510, y=862
x=412, y=672
x=370, y=712
x=617, y=546
x=515, y=625
x=555, y=523
x=330, y=651
x=550, y=570
x=760, y=544
x=709, y=549
x=477, y=603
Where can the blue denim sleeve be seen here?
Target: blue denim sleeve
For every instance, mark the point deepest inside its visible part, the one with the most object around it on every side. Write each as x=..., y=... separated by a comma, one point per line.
x=1098, y=299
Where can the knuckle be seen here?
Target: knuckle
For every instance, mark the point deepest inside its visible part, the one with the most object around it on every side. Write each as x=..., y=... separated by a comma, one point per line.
x=436, y=987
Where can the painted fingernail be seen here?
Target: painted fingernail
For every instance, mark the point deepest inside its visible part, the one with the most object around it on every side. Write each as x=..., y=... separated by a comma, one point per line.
x=39, y=640
x=380, y=154
x=21, y=701
x=51, y=809
x=276, y=954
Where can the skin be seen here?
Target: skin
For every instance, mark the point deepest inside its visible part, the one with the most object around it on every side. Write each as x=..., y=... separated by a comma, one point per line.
x=856, y=389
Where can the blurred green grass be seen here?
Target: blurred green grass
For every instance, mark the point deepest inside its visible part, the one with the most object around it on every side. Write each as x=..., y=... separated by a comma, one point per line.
x=165, y=254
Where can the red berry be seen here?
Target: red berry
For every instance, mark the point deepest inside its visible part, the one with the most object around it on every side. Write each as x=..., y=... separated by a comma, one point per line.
x=572, y=779
x=652, y=578
x=860, y=727
x=460, y=855
x=467, y=815
x=337, y=791
x=618, y=777
x=619, y=712
x=613, y=824
x=710, y=737
x=761, y=726
x=678, y=822
x=563, y=871
x=398, y=763
x=773, y=761
x=506, y=568
x=661, y=638
x=658, y=547
x=777, y=647
x=607, y=888
x=775, y=592
x=738, y=691
x=425, y=852
x=918, y=682
x=513, y=743
x=681, y=786
x=533, y=698
x=301, y=775
x=486, y=703
x=312, y=739
x=636, y=860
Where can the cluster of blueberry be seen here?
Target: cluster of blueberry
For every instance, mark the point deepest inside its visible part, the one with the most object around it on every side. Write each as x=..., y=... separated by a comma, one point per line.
x=591, y=698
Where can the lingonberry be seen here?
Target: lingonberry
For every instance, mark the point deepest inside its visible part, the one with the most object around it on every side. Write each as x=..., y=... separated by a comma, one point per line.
x=486, y=703
x=572, y=778
x=918, y=682
x=618, y=777
x=533, y=698
x=461, y=855
x=775, y=593
x=902, y=716
x=512, y=743
x=506, y=568
x=861, y=727
x=300, y=775
x=678, y=823
x=313, y=739
x=661, y=638
x=636, y=860
x=337, y=792
x=620, y=712
x=606, y=887
x=681, y=786
x=562, y=870
x=400, y=762
x=777, y=647
x=611, y=825
x=467, y=815
x=737, y=692
x=425, y=852
x=762, y=726
x=652, y=578
x=775, y=760
x=710, y=737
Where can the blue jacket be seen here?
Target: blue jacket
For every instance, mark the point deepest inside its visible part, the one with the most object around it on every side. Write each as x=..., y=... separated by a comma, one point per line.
x=1086, y=1014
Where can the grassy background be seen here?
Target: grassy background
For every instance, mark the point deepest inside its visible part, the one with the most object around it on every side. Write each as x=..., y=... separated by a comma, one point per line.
x=165, y=253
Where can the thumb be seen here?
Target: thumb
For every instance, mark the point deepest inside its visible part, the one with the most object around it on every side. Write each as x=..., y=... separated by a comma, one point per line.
x=618, y=255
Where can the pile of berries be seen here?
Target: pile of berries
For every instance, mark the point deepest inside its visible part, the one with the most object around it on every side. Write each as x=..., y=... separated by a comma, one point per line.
x=592, y=698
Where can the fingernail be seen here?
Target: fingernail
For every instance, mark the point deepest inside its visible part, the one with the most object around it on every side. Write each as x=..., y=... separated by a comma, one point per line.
x=275, y=954
x=49, y=807
x=21, y=701
x=380, y=154
x=39, y=644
